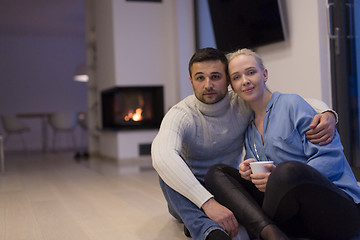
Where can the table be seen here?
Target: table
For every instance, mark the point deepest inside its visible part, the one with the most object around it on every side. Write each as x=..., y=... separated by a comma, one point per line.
x=44, y=125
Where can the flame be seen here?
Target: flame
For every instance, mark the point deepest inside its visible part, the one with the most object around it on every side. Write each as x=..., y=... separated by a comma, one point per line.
x=135, y=116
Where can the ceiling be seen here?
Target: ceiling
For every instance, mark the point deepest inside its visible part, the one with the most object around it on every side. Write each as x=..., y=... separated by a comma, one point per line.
x=42, y=17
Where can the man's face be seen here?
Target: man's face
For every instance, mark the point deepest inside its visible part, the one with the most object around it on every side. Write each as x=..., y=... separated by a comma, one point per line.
x=209, y=81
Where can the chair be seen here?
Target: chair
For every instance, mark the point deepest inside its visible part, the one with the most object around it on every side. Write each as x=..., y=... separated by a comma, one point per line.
x=13, y=125
x=63, y=122
x=83, y=123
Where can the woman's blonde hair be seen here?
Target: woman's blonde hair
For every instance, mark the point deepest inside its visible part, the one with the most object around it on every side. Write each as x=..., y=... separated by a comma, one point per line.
x=247, y=52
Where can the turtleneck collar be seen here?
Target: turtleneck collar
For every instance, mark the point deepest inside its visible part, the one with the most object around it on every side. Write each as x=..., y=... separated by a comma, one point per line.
x=215, y=109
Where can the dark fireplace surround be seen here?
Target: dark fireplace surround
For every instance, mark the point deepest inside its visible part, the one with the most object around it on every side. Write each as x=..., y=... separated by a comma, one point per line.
x=132, y=108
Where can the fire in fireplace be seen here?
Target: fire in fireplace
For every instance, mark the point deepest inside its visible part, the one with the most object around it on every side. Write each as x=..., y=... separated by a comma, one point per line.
x=130, y=108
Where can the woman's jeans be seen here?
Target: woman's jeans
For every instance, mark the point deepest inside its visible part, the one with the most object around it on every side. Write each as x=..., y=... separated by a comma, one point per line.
x=194, y=218
x=298, y=198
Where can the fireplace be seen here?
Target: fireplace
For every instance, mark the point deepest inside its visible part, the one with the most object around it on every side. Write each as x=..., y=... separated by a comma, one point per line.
x=132, y=108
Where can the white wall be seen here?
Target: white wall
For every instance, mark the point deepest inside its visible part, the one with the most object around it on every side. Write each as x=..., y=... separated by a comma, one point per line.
x=185, y=44
x=143, y=44
x=105, y=44
x=300, y=64
x=145, y=36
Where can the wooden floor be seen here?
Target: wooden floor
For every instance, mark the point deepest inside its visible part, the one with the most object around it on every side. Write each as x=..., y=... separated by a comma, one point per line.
x=50, y=197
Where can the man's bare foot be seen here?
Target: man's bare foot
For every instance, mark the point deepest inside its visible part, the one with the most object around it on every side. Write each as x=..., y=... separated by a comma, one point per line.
x=272, y=232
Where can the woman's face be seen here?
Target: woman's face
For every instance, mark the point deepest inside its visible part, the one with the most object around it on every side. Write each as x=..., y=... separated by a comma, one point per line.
x=247, y=78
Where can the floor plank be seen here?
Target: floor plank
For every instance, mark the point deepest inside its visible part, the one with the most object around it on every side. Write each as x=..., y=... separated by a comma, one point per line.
x=51, y=197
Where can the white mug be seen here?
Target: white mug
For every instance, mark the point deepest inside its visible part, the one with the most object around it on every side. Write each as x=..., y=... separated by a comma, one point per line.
x=258, y=167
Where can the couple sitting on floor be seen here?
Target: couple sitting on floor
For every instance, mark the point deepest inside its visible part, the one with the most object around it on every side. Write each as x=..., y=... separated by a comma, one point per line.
x=309, y=191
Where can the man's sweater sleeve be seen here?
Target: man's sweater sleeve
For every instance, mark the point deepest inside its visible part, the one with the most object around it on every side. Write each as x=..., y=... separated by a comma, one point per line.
x=165, y=153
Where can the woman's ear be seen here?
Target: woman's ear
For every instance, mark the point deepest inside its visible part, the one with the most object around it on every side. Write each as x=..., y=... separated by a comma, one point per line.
x=265, y=73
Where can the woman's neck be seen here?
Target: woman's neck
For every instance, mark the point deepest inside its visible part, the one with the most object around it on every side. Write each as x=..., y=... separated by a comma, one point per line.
x=259, y=106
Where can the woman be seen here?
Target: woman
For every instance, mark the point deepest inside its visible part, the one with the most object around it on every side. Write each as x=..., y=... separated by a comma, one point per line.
x=310, y=190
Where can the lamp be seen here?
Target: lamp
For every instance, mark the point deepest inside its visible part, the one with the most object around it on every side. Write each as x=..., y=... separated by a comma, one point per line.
x=80, y=74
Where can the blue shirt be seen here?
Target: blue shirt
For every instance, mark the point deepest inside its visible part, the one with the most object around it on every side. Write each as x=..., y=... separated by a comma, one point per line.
x=288, y=117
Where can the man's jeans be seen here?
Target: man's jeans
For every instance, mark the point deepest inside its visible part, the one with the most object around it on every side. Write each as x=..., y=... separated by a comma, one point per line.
x=195, y=220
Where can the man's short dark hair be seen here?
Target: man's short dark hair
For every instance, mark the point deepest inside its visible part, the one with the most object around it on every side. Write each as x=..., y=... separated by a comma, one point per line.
x=208, y=54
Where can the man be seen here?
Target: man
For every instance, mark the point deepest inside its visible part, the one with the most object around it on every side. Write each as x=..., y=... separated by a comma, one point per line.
x=202, y=130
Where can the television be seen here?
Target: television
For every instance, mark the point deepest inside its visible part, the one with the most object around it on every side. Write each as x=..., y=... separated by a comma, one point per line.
x=132, y=108
x=246, y=23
